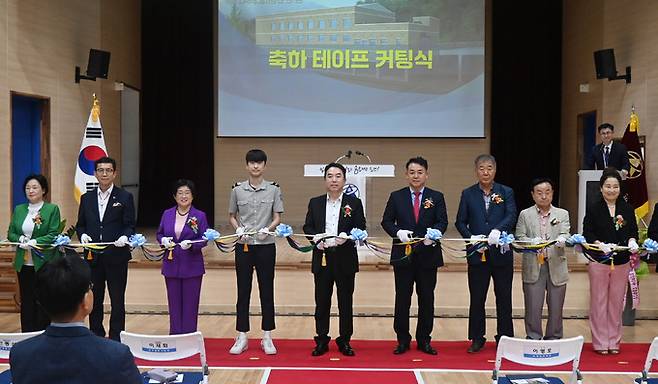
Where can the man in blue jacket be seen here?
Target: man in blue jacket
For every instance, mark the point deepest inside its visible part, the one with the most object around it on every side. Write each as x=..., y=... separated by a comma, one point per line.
x=415, y=212
x=487, y=209
x=67, y=352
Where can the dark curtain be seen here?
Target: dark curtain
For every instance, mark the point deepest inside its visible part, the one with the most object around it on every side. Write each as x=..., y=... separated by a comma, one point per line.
x=177, y=104
x=526, y=93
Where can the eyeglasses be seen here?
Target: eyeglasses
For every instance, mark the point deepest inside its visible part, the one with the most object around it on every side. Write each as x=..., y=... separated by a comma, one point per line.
x=104, y=170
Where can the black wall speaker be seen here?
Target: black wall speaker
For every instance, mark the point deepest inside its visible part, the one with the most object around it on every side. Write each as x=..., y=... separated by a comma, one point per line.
x=99, y=63
x=604, y=60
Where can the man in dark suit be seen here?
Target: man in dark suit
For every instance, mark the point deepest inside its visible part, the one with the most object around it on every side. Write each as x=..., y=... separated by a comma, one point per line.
x=608, y=153
x=485, y=210
x=330, y=218
x=107, y=214
x=67, y=352
x=410, y=213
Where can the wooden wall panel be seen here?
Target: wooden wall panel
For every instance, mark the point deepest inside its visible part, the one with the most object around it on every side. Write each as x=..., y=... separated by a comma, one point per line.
x=42, y=43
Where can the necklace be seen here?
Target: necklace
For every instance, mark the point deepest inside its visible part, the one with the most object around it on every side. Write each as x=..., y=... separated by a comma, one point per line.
x=182, y=214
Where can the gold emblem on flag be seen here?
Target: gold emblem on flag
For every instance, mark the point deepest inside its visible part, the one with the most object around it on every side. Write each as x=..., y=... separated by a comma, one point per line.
x=637, y=165
x=95, y=109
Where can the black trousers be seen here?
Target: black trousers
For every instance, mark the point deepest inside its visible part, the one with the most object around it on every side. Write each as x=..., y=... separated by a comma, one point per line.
x=324, y=288
x=479, y=276
x=425, y=280
x=33, y=317
x=116, y=276
x=262, y=258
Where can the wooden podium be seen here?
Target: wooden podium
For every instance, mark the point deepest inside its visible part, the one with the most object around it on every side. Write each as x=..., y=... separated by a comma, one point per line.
x=9, y=293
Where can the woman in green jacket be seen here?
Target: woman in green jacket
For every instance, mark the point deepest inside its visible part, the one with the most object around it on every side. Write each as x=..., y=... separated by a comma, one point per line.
x=32, y=224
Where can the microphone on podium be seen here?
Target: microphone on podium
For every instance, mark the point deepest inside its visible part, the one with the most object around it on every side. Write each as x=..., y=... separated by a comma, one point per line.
x=347, y=155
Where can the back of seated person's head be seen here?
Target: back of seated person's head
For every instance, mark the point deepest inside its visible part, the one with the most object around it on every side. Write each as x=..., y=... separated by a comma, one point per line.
x=63, y=288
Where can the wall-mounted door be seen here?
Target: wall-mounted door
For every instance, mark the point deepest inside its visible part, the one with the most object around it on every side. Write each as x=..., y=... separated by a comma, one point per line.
x=30, y=141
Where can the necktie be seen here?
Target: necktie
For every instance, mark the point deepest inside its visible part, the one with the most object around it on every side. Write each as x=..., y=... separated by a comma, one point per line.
x=606, y=157
x=416, y=205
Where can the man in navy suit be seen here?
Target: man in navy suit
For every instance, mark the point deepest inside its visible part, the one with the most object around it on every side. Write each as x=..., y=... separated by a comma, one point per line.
x=485, y=210
x=330, y=218
x=67, y=352
x=410, y=213
x=608, y=153
x=107, y=214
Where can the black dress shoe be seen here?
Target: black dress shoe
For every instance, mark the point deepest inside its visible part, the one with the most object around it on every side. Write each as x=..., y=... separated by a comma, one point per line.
x=426, y=347
x=320, y=349
x=401, y=348
x=346, y=349
x=476, y=345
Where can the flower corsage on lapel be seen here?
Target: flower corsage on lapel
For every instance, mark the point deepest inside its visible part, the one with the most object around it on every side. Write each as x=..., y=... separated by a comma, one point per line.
x=347, y=211
x=619, y=222
x=37, y=220
x=497, y=199
x=193, y=222
x=555, y=221
x=428, y=203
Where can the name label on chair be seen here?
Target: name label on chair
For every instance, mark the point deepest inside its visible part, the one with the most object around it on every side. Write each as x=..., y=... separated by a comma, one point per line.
x=159, y=346
x=6, y=344
x=541, y=352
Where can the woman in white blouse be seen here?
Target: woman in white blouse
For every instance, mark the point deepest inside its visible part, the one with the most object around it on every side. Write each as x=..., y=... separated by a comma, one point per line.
x=33, y=224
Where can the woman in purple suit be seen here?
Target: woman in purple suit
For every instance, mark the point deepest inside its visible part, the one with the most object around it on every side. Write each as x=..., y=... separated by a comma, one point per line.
x=182, y=265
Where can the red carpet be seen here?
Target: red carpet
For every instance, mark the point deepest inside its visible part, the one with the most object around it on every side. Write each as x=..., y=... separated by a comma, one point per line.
x=287, y=376
x=378, y=354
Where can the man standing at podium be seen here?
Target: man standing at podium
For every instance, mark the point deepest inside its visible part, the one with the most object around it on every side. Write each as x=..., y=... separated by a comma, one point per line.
x=608, y=153
x=415, y=212
x=487, y=209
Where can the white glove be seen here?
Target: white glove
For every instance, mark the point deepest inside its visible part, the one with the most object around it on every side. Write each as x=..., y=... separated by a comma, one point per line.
x=561, y=241
x=27, y=243
x=341, y=239
x=632, y=246
x=185, y=244
x=84, y=238
x=318, y=237
x=263, y=233
x=427, y=241
x=240, y=232
x=404, y=235
x=320, y=245
x=23, y=239
x=121, y=241
x=606, y=248
x=494, y=236
x=167, y=242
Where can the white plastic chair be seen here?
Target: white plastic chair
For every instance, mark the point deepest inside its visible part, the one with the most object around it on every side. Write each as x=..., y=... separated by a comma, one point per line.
x=167, y=347
x=7, y=340
x=540, y=353
x=651, y=356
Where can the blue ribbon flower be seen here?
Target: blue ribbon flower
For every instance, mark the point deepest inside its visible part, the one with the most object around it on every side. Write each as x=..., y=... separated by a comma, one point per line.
x=358, y=234
x=650, y=245
x=61, y=240
x=210, y=235
x=136, y=240
x=505, y=240
x=283, y=230
x=576, y=239
x=433, y=234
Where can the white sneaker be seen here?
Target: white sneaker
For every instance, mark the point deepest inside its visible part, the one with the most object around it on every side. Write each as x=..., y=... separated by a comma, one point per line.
x=268, y=346
x=241, y=344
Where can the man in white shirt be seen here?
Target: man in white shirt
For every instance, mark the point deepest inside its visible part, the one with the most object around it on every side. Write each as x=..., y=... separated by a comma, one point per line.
x=331, y=217
x=107, y=214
